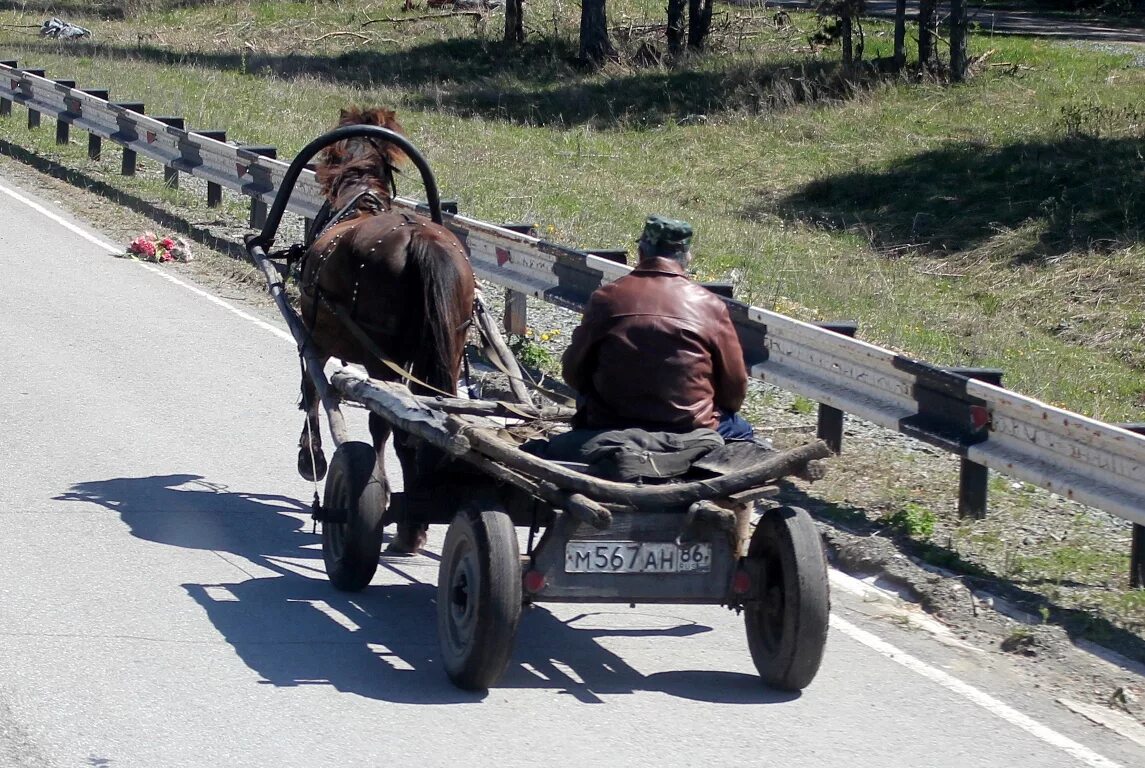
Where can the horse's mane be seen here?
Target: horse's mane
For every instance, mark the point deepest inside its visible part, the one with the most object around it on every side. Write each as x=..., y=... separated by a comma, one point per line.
x=355, y=159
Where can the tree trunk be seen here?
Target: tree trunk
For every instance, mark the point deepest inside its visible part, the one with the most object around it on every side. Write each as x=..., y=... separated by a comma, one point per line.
x=699, y=22
x=675, y=26
x=958, y=40
x=846, y=30
x=595, y=46
x=926, y=48
x=514, y=21
x=900, y=34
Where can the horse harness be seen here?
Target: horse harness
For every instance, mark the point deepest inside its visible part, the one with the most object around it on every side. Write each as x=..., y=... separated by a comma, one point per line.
x=365, y=201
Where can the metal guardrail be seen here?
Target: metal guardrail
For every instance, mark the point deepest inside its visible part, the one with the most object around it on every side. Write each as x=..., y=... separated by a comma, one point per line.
x=1094, y=463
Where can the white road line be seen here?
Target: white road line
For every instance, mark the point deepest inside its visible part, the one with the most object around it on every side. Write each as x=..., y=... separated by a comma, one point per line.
x=116, y=250
x=951, y=683
x=986, y=701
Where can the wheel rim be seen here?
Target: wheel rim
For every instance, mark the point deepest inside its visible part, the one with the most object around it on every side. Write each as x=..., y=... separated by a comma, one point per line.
x=464, y=588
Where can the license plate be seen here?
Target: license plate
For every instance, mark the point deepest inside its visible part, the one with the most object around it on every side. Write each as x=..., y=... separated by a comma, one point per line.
x=637, y=557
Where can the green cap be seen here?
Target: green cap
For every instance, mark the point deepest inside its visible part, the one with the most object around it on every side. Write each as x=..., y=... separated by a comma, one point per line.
x=665, y=234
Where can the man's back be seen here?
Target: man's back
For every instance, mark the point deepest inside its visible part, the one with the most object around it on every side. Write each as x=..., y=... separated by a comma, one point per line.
x=656, y=351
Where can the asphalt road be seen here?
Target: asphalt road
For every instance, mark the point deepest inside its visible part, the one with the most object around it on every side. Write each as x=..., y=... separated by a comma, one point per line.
x=163, y=601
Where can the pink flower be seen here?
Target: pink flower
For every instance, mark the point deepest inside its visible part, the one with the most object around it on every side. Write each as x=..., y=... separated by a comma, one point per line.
x=142, y=246
x=167, y=243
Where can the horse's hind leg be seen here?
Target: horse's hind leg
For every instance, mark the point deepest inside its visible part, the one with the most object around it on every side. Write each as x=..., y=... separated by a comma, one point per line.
x=411, y=535
x=311, y=460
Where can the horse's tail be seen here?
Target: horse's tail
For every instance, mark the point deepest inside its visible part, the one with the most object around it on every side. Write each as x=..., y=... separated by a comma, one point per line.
x=447, y=288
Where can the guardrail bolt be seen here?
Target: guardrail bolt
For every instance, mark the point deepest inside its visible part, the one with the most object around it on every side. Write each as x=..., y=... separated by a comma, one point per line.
x=830, y=425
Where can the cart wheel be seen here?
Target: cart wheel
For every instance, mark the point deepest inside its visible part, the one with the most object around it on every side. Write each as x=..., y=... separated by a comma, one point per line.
x=478, y=596
x=787, y=623
x=351, y=549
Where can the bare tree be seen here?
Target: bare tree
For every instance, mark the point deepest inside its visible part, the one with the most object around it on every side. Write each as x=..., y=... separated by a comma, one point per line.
x=595, y=46
x=675, y=31
x=927, y=51
x=514, y=21
x=900, y=34
x=699, y=23
x=957, y=40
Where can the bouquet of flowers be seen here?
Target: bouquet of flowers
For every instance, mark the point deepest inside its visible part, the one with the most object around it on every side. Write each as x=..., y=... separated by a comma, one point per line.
x=151, y=247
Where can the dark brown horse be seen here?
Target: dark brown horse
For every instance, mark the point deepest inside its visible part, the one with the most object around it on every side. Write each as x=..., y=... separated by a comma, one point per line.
x=402, y=279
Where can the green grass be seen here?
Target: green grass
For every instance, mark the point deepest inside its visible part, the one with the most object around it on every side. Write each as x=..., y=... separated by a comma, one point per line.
x=991, y=224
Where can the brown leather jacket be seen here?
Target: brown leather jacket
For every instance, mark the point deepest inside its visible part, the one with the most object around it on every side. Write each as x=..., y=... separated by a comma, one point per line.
x=656, y=351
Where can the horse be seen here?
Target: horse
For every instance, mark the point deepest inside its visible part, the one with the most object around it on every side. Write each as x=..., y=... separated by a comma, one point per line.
x=403, y=280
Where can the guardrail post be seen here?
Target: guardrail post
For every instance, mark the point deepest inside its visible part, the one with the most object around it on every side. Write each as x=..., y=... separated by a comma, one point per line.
x=973, y=478
x=129, y=157
x=94, y=141
x=170, y=175
x=829, y=428
x=63, y=124
x=516, y=316
x=721, y=288
x=1137, y=544
x=33, y=115
x=6, y=104
x=258, y=208
x=214, y=191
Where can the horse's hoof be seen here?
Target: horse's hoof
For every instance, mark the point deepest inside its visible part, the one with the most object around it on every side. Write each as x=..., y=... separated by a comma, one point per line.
x=312, y=470
x=408, y=540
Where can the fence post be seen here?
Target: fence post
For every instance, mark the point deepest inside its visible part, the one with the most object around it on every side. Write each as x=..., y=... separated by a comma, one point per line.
x=829, y=428
x=1137, y=544
x=516, y=316
x=973, y=478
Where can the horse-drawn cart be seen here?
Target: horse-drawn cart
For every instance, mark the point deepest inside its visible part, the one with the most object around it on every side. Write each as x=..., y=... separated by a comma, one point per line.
x=694, y=539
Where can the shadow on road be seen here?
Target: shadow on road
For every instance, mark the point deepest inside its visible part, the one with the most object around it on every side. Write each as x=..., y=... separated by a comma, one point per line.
x=295, y=629
x=185, y=510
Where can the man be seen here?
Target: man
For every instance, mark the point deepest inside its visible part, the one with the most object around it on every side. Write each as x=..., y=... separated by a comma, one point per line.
x=657, y=351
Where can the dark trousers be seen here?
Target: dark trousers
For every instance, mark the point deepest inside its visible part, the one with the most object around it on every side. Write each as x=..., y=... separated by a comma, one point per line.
x=732, y=426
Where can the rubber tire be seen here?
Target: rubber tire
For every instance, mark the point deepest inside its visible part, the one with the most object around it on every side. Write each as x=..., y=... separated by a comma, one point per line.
x=477, y=627
x=351, y=549
x=787, y=628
